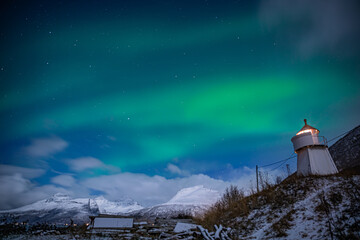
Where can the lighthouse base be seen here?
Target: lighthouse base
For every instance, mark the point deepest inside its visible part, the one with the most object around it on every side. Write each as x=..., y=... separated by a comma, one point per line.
x=315, y=161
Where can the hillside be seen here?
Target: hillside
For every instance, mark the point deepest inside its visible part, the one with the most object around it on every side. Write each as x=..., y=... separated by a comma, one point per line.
x=346, y=151
x=298, y=208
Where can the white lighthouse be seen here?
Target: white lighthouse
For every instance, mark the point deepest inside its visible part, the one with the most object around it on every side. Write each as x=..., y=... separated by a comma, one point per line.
x=313, y=157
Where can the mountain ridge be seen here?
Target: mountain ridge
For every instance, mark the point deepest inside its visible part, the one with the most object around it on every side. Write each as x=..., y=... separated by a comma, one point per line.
x=61, y=208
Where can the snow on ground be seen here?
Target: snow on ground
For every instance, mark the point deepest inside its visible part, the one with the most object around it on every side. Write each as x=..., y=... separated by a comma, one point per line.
x=303, y=219
x=183, y=227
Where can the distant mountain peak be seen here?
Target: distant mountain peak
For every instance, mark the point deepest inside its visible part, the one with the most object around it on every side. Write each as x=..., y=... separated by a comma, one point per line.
x=187, y=201
x=196, y=195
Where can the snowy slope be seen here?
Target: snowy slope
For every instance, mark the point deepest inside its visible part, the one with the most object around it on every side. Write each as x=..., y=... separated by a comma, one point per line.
x=188, y=201
x=301, y=208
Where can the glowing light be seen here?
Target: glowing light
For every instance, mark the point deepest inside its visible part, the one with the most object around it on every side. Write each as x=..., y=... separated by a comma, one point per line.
x=312, y=131
x=303, y=131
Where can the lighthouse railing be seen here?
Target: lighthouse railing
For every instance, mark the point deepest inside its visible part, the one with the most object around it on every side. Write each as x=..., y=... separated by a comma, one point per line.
x=322, y=140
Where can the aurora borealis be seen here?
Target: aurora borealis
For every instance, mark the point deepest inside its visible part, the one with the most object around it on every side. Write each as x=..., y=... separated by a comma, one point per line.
x=169, y=89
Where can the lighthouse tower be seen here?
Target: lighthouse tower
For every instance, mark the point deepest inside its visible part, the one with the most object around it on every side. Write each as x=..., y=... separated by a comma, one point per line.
x=313, y=157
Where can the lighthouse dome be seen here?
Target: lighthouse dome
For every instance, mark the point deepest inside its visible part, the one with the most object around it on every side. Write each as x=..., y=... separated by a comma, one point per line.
x=307, y=136
x=308, y=129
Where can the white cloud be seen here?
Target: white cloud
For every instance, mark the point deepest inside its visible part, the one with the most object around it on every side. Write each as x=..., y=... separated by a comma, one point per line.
x=176, y=170
x=151, y=190
x=148, y=190
x=28, y=173
x=86, y=163
x=17, y=191
x=16, y=188
x=64, y=180
x=45, y=147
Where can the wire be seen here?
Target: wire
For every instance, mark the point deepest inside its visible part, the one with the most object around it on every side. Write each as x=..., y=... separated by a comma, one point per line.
x=291, y=156
x=339, y=136
x=282, y=164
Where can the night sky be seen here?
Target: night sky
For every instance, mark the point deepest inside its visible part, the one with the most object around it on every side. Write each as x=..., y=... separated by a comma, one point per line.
x=141, y=98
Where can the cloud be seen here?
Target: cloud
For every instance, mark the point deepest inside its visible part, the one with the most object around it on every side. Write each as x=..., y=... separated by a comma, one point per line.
x=152, y=190
x=148, y=190
x=64, y=180
x=45, y=147
x=176, y=170
x=315, y=26
x=17, y=191
x=86, y=163
x=28, y=173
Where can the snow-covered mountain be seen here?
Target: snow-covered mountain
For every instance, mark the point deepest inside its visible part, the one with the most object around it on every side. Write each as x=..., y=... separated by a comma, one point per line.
x=61, y=208
x=116, y=207
x=57, y=201
x=197, y=195
x=188, y=201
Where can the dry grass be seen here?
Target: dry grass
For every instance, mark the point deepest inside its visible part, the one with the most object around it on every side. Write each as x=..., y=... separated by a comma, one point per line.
x=233, y=209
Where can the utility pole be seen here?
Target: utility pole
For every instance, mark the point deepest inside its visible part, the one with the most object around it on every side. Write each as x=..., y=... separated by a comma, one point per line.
x=257, y=178
x=288, y=169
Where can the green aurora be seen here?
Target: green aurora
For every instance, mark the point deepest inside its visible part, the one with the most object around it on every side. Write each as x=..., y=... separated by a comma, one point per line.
x=215, y=88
